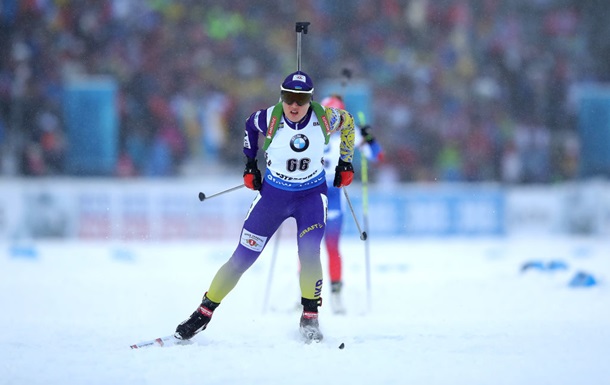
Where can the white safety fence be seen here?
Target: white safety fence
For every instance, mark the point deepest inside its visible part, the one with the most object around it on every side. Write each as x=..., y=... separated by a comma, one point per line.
x=169, y=209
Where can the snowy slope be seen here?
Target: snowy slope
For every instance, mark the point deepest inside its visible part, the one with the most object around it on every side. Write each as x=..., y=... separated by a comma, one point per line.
x=444, y=311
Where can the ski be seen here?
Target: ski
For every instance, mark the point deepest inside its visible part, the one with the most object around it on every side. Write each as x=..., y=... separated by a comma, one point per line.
x=310, y=334
x=309, y=341
x=161, y=342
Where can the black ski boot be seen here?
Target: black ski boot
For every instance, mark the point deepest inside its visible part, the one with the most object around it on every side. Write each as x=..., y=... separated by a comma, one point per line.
x=198, y=321
x=309, y=325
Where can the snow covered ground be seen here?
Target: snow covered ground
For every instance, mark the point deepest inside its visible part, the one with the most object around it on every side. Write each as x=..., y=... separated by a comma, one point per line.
x=443, y=311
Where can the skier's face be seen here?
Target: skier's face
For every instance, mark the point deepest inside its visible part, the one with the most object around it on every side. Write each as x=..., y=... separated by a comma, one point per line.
x=295, y=105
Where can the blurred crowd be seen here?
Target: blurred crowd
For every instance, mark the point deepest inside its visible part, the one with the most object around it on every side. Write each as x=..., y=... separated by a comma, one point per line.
x=463, y=90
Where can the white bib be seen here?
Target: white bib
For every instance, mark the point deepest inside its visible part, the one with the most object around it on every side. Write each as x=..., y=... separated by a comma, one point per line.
x=295, y=158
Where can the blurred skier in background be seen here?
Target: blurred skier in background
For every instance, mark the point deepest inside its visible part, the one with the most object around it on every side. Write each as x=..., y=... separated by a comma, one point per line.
x=296, y=132
x=370, y=148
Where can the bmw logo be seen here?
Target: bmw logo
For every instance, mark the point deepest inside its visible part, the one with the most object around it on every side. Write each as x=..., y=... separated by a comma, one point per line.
x=299, y=143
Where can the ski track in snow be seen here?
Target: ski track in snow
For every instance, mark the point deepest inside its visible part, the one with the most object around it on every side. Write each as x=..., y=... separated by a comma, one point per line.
x=443, y=311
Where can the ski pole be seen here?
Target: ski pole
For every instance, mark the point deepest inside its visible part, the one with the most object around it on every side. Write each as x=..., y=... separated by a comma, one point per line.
x=363, y=235
x=365, y=215
x=276, y=247
x=203, y=197
x=347, y=75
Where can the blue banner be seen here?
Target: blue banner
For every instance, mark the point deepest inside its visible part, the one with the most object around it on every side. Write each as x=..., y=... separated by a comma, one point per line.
x=594, y=131
x=92, y=128
x=432, y=212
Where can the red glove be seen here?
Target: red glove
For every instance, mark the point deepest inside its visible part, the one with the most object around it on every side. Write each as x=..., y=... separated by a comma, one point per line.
x=252, y=175
x=344, y=174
